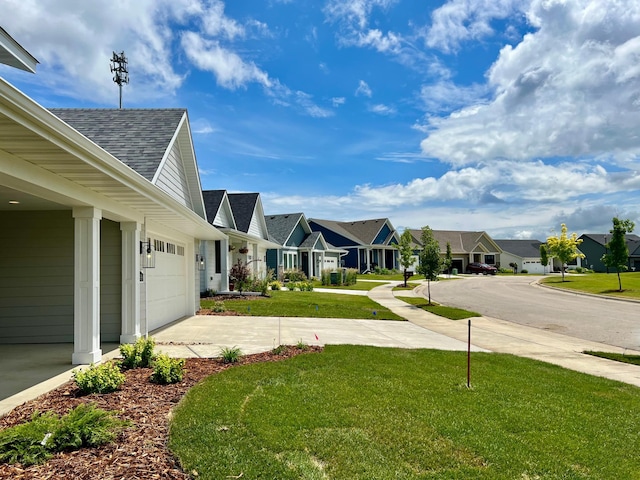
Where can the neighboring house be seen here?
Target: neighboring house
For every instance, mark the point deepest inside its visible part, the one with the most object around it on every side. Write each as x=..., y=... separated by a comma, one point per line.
x=300, y=247
x=102, y=215
x=240, y=216
x=593, y=246
x=524, y=253
x=369, y=243
x=466, y=247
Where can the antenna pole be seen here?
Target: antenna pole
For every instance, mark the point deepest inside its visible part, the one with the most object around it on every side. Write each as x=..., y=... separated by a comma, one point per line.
x=119, y=70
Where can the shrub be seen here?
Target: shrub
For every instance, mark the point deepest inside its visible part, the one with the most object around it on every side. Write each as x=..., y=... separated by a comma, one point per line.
x=167, y=370
x=105, y=378
x=524, y=270
x=305, y=286
x=278, y=350
x=275, y=285
x=139, y=354
x=325, y=276
x=295, y=275
x=219, y=307
x=230, y=355
x=34, y=442
x=239, y=274
x=350, y=276
x=301, y=345
x=292, y=286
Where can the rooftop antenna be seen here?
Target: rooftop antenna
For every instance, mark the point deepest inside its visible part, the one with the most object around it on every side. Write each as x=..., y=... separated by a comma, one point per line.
x=119, y=70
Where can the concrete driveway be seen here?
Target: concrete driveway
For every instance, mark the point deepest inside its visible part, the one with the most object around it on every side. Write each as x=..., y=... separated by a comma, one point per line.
x=518, y=299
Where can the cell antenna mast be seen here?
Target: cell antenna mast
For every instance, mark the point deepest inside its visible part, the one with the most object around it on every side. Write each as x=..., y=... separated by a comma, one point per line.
x=119, y=70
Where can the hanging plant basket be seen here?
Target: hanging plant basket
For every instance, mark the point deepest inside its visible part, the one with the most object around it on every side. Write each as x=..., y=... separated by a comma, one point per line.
x=244, y=250
x=232, y=248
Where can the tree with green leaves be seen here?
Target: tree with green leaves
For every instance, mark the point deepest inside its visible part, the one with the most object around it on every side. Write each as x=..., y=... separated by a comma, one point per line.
x=617, y=255
x=405, y=250
x=544, y=257
x=430, y=261
x=564, y=247
x=448, y=259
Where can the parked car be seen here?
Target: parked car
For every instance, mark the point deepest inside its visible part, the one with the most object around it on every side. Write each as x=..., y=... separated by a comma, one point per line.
x=483, y=268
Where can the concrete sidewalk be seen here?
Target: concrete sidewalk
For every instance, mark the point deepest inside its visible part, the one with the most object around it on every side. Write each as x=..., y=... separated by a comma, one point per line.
x=506, y=337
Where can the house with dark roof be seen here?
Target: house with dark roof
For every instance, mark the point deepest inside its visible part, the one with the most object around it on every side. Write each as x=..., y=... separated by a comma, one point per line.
x=466, y=247
x=101, y=214
x=369, y=243
x=594, y=245
x=241, y=217
x=300, y=247
x=524, y=253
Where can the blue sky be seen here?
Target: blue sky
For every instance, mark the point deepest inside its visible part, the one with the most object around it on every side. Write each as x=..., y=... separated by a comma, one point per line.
x=508, y=116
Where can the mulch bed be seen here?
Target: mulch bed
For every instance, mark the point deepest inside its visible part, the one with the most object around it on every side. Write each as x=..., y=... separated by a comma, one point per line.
x=141, y=450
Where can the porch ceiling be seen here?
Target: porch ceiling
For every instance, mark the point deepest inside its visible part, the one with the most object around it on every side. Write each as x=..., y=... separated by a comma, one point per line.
x=30, y=133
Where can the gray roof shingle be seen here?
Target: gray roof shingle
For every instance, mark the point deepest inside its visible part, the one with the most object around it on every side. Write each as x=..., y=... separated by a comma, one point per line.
x=280, y=227
x=521, y=248
x=363, y=232
x=243, y=205
x=138, y=138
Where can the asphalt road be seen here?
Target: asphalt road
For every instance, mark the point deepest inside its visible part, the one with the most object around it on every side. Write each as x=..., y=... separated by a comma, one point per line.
x=517, y=299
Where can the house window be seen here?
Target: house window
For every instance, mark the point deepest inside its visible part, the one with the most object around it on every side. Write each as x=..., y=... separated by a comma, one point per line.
x=171, y=248
x=490, y=259
x=180, y=250
x=158, y=245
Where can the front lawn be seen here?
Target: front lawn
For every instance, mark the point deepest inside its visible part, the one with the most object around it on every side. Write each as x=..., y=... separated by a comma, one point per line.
x=618, y=357
x=452, y=313
x=308, y=304
x=598, y=283
x=358, y=285
x=366, y=413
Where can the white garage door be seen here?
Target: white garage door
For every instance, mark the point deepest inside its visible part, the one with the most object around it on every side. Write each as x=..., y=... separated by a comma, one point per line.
x=166, y=290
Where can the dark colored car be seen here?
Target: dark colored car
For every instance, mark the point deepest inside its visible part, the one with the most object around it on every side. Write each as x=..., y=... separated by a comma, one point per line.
x=483, y=268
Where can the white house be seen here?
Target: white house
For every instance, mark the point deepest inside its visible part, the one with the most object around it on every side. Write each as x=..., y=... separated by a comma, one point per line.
x=102, y=216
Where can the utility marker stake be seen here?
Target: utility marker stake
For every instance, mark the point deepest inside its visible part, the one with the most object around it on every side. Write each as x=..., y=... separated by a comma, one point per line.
x=469, y=356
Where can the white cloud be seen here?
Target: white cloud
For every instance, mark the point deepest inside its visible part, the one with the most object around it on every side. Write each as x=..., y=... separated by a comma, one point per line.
x=228, y=67
x=446, y=95
x=337, y=101
x=458, y=21
x=363, y=89
x=201, y=126
x=354, y=12
x=389, y=42
x=567, y=90
x=382, y=109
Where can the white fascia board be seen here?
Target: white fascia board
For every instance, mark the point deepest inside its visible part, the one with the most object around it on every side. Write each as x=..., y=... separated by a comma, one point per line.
x=15, y=55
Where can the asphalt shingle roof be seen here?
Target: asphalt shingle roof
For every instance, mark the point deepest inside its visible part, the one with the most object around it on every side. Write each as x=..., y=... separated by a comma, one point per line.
x=281, y=226
x=521, y=248
x=243, y=206
x=212, y=200
x=138, y=138
x=363, y=232
x=310, y=240
x=460, y=241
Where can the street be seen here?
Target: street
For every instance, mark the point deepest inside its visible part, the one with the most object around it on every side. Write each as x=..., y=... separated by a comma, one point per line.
x=517, y=299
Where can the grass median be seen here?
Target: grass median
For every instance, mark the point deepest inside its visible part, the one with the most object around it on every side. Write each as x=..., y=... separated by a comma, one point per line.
x=362, y=412
x=598, y=283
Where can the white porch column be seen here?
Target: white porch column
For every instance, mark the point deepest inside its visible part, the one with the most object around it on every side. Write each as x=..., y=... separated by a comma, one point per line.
x=225, y=254
x=86, y=286
x=130, y=329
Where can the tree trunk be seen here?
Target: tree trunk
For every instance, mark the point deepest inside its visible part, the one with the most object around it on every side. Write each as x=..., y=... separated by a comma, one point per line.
x=429, y=290
x=619, y=282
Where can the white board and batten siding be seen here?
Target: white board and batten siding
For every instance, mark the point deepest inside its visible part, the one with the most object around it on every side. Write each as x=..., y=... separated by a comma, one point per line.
x=172, y=178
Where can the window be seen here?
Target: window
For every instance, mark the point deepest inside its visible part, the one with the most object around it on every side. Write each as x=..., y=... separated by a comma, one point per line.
x=158, y=245
x=180, y=250
x=171, y=248
x=218, y=254
x=490, y=259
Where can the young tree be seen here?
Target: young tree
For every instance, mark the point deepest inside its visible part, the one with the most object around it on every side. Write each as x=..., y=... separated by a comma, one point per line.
x=448, y=259
x=430, y=262
x=406, y=252
x=564, y=248
x=618, y=252
x=544, y=258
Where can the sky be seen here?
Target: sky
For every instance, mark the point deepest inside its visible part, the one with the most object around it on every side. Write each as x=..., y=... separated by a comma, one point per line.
x=507, y=116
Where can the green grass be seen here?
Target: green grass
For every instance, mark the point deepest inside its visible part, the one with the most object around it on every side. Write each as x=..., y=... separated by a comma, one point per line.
x=358, y=285
x=618, y=357
x=599, y=283
x=389, y=278
x=366, y=413
x=451, y=313
x=310, y=304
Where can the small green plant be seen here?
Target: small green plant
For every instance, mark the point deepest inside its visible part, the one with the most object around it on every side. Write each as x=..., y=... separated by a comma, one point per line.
x=105, y=378
x=275, y=285
x=325, y=276
x=230, y=354
x=35, y=442
x=139, y=354
x=524, y=270
x=305, y=286
x=167, y=370
x=301, y=345
x=278, y=350
x=218, y=307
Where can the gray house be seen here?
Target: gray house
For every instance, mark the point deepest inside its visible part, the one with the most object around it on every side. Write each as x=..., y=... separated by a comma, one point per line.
x=524, y=253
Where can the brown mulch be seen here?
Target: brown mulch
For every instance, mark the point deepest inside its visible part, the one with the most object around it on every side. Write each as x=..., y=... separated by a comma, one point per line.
x=141, y=450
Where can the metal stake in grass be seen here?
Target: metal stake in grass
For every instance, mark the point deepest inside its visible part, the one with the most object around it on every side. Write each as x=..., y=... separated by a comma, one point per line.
x=469, y=356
